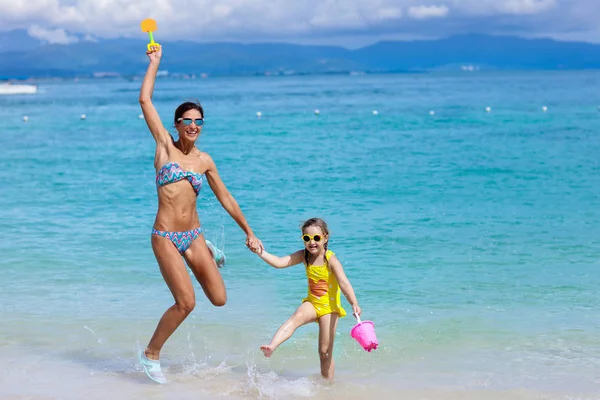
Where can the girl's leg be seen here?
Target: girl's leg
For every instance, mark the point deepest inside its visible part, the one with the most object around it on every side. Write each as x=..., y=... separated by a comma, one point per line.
x=327, y=328
x=304, y=314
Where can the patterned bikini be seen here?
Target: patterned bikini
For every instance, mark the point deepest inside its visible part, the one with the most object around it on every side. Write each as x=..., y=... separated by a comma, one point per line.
x=169, y=173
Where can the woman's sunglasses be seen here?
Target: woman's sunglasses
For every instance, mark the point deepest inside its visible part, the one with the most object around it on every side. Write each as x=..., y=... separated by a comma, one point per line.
x=188, y=121
x=308, y=238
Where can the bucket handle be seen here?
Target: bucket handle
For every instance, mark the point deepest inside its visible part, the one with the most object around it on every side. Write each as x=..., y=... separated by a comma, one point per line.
x=357, y=318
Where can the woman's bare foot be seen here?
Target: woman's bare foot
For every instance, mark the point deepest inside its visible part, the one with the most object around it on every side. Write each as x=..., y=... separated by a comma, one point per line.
x=267, y=350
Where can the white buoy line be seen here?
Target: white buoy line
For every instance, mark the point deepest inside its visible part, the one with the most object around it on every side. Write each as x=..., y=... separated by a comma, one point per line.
x=317, y=112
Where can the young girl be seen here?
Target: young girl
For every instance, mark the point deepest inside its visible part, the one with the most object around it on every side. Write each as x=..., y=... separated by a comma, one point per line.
x=325, y=279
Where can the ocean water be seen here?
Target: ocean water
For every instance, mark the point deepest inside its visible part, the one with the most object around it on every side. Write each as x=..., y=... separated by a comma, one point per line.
x=471, y=237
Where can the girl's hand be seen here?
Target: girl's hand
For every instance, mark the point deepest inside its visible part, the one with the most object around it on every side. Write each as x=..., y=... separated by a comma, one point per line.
x=356, y=310
x=254, y=244
x=155, y=54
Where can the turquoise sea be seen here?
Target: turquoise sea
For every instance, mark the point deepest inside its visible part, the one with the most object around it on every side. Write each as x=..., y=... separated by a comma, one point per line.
x=471, y=237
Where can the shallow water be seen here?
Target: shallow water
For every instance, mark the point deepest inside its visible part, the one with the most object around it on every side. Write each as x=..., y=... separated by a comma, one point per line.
x=469, y=237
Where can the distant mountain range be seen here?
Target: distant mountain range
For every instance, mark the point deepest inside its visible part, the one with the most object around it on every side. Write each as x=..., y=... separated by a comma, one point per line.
x=22, y=56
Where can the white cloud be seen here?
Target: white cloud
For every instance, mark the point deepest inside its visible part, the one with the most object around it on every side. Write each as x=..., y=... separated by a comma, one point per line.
x=52, y=36
x=330, y=14
x=209, y=20
x=389, y=13
x=526, y=6
x=425, y=12
x=514, y=7
x=205, y=18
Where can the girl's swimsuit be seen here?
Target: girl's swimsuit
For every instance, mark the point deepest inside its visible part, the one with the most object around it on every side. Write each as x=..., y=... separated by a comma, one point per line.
x=323, y=288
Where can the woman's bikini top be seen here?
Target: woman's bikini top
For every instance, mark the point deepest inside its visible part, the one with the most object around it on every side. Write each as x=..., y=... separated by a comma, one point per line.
x=172, y=172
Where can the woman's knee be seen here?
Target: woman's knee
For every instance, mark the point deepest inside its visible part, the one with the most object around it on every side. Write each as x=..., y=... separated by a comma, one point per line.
x=186, y=305
x=218, y=300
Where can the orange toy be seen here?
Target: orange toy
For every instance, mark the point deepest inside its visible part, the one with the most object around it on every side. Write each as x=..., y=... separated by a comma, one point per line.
x=149, y=25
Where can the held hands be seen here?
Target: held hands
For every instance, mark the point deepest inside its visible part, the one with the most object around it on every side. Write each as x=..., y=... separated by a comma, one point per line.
x=254, y=244
x=155, y=54
x=356, y=310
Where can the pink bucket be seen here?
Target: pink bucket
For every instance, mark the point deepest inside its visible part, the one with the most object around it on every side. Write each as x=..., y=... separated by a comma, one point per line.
x=364, y=333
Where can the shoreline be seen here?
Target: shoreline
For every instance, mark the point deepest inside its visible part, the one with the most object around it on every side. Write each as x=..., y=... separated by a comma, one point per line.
x=216, y=358
x=36, y=376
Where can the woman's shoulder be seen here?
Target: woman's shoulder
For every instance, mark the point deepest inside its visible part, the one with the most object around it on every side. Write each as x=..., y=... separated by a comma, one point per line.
x=204, y=159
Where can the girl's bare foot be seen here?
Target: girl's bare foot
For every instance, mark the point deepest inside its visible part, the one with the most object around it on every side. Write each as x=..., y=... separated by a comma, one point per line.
x=267, y=350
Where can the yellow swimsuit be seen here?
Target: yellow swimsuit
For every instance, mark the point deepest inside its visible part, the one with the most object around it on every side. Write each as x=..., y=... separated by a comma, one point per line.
x=323, y=289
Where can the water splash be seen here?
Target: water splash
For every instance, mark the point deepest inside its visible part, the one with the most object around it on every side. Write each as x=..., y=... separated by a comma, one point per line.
x=270, y=385
x=98, y=339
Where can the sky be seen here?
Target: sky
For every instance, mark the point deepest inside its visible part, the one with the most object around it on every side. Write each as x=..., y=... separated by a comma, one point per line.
x=349, y=23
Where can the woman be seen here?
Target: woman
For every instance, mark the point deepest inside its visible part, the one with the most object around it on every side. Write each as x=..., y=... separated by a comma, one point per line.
x=177, y=232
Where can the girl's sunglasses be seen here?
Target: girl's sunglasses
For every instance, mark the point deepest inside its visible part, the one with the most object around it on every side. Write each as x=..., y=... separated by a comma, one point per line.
x=188, y=121
x=308, y=238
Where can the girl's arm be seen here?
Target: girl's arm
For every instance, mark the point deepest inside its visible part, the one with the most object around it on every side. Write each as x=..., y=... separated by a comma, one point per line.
x=338, y=270
x=282, y=262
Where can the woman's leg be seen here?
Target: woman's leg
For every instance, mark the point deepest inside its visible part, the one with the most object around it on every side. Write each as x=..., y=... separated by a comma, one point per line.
x=202, y=264
x=178, y=280
x=327, y=328
x=304, y=314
